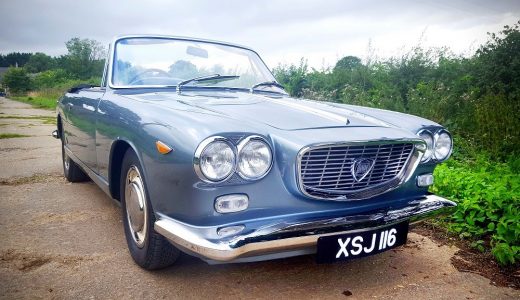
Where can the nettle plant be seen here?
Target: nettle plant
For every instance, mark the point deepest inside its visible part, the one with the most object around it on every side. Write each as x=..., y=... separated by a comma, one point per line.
x=488, y=198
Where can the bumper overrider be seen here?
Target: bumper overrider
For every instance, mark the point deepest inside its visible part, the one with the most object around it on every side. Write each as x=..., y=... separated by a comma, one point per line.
x=283, y=239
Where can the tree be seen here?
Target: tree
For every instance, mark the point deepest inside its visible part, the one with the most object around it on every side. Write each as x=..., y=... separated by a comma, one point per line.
x=84, y=58
x=348, y=63
x=183, y=69
x=14, y=59
x=16, y=80
x=293, y=78
x=39, y=62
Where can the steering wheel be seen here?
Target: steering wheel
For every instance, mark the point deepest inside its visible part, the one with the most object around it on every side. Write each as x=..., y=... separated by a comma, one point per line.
x=152, y=72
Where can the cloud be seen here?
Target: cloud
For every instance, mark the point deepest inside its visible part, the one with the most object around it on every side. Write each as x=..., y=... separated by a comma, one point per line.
x=281, y=31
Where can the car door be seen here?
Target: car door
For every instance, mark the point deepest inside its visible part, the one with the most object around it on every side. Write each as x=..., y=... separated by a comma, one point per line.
x=83, y=119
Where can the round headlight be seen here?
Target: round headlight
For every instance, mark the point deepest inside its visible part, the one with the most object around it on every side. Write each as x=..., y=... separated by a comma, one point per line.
x=428, y=138
x=216, y=159
x=443, y=145
x=254, y=158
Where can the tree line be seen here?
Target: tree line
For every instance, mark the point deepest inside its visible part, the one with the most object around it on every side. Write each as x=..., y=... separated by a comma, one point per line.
x=32, y=71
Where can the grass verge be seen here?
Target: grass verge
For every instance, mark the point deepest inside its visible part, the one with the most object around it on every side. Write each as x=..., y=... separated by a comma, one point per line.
x=12, y=135
x=44, y=119
x=37, y=101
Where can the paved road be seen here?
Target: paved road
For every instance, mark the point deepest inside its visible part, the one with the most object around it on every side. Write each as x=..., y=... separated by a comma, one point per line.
x=62, y=240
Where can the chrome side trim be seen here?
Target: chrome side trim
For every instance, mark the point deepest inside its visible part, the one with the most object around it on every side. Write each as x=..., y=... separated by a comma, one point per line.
x=284, y=237
x=403, y=176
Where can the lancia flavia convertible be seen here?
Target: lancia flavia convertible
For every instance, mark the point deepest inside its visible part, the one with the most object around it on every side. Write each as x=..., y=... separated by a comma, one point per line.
x=207, y=154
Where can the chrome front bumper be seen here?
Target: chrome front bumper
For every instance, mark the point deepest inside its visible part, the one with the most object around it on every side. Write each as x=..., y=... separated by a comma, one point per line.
x=289, y=239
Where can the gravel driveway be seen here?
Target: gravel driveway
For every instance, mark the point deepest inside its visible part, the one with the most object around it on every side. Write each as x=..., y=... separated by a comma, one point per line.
x=63, y=240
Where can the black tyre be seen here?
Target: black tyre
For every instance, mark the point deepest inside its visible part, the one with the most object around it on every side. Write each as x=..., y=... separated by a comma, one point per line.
x=149, y=249
x=71, y=170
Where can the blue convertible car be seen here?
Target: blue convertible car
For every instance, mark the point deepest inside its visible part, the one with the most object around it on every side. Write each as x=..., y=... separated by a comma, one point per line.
x=207, y=154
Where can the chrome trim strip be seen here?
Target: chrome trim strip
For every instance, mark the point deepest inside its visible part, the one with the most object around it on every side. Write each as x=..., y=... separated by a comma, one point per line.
x=433, y=144
x=281, y=237
x=403, y=176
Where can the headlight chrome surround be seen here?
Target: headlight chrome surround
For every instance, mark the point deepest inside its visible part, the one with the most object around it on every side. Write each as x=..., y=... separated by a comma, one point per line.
x=436, y=139
x=428, y=153
x=244, y=143
x=200, y=151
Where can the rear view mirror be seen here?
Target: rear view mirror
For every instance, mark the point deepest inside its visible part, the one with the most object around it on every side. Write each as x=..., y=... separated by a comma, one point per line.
x=195, y=51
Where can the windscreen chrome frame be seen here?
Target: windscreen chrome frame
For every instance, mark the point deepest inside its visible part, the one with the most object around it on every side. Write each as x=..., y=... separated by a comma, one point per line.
x=119, y=38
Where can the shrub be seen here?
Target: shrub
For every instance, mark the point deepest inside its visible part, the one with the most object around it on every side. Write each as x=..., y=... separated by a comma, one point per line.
x=16, y=80
x=488, y=198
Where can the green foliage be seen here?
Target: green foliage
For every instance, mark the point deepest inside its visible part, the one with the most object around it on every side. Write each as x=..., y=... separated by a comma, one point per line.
x=84, y=58
x=52, y=86
x=39, y=62
x=11, y=135
x=16, y=80
x=488, y=198
x=14, y=59
x=293, y=77
x=50, y=78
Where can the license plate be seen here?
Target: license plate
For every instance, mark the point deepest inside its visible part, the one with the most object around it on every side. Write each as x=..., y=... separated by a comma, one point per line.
x=360, y=244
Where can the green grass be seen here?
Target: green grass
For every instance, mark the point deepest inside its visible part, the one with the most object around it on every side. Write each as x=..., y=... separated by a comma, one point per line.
x=44, y=119
x=37, y=101
x=12, y=135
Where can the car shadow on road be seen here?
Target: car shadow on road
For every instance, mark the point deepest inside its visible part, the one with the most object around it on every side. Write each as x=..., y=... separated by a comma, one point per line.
x=388, y=270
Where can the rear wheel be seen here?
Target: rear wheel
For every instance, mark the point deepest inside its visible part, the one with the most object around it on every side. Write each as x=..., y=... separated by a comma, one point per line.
x=149, y=249
x=71, y=170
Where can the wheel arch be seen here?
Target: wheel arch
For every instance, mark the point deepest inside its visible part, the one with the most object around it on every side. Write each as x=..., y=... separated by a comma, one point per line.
x=117, y=153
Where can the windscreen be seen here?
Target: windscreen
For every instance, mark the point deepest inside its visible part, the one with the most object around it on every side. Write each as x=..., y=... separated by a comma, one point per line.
x=168, y=62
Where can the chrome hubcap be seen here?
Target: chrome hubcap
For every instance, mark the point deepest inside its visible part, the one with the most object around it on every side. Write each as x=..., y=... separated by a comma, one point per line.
x=136, y=210
x=66, y=161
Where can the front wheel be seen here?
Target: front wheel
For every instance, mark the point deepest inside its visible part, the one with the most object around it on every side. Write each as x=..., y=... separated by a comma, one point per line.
x=149, y=249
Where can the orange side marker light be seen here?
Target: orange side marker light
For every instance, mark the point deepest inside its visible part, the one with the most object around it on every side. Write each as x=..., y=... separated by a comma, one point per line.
x=162, y=147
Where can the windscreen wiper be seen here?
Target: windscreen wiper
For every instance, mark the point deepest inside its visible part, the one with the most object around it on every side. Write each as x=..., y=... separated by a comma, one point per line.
x=267, y=83
x=216, y=77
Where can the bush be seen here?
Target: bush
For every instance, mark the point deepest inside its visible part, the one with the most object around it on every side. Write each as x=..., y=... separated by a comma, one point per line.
x=16, y=80
x=488, y=198
x=50, y=78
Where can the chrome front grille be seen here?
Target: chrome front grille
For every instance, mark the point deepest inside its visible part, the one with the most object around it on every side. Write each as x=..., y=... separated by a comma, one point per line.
x=327, y=172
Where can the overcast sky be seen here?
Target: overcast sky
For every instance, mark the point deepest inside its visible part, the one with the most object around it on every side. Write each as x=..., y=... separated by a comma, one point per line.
x=281, y=31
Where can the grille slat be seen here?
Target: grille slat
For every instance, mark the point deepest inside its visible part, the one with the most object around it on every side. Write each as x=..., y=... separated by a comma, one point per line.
x=327, y=172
